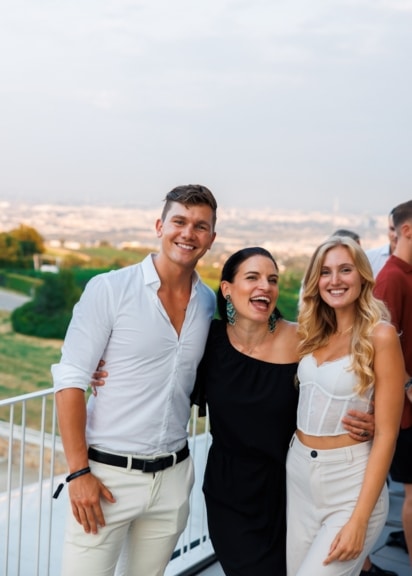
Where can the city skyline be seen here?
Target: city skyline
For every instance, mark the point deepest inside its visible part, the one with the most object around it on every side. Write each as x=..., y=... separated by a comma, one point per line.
x=280, y=231
x=272, y=104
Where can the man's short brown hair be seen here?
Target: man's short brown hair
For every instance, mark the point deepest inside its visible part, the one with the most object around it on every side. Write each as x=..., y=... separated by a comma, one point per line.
x=190, y=195
x=402, y=213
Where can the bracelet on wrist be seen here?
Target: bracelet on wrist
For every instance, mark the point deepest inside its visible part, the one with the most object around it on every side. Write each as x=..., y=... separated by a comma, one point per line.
x=71, y=477
x=74, y=475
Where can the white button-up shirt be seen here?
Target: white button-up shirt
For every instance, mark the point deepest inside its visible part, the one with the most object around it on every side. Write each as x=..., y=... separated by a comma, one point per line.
x=377, y=258
x=144, y=406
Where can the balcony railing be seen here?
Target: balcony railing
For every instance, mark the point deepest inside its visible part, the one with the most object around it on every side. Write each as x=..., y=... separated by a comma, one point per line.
x=32, y=463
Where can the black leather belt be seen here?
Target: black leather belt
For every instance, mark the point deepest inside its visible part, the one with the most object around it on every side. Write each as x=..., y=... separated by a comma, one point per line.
x=150, y=465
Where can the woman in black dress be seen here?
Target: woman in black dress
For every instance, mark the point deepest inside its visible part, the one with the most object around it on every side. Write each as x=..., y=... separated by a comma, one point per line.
x=247, y=377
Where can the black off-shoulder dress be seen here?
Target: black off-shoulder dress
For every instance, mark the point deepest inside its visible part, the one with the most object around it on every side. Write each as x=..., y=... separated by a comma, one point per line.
x=252, y=407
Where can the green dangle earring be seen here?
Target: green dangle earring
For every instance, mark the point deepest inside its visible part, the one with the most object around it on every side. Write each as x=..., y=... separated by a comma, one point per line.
x=230, y=311
x=272, y=322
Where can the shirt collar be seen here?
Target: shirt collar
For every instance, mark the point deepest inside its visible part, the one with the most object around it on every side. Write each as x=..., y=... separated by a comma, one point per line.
x=405, y=266
x=151, y=276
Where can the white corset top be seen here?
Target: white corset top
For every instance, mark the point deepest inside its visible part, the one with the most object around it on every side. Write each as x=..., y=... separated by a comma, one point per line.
x=326, y=393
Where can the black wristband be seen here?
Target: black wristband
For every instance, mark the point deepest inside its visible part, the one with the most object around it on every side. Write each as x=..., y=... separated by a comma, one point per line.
x=81, y=472
x=71, y=477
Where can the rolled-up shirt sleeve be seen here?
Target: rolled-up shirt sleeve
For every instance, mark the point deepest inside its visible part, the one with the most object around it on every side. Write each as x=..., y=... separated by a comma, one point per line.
x=87, y=336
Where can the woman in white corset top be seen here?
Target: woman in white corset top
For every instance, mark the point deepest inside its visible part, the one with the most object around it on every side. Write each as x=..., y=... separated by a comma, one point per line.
x=350, y=357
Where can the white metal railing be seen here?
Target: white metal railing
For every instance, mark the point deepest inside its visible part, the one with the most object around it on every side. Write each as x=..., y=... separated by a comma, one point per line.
x=32, y=464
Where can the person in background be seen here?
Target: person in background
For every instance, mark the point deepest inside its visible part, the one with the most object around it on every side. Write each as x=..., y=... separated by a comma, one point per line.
x=247, y=379
x=130, y=473
x=394, y=287
x=378, y=256
x=350, y=355
x=345, y=232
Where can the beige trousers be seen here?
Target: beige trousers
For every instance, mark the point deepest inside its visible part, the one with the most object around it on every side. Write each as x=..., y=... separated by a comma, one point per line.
x=143, y=525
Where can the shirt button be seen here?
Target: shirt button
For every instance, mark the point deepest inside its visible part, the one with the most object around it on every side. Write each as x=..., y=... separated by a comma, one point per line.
x=314, y=454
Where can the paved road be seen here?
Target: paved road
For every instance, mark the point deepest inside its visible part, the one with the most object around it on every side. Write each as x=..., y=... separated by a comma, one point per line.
x=11, y=300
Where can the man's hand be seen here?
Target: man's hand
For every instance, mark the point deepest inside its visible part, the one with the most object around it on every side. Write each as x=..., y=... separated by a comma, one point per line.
x=359, y=425
x=85, y=493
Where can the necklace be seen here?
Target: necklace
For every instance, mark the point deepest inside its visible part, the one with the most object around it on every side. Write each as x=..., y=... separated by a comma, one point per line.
x=342, y=332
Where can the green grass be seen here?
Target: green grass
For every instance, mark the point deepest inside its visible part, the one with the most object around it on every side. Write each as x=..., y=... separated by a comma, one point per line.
x=25, y=366
x=25, y=360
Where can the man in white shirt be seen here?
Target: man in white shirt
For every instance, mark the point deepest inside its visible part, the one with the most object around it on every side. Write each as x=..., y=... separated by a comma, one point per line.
x=130, y=469
x=377, y=256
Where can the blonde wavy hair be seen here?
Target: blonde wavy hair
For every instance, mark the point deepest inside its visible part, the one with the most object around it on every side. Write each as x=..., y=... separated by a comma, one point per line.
x=317, y=320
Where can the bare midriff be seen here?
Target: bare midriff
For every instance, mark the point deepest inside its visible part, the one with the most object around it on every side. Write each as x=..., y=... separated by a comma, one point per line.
x=326, y=442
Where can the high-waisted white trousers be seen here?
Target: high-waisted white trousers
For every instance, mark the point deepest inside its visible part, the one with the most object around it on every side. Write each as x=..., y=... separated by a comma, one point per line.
x=322, y=490
x=144, y=523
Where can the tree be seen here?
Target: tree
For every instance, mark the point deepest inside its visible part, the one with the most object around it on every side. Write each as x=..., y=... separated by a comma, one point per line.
x=58, y=292
x=49, y=313
x=31, y=242
x=18, y=246
x=9, y=249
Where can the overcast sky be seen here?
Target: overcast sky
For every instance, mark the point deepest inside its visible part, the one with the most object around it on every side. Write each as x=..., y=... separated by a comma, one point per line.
x=285, y=104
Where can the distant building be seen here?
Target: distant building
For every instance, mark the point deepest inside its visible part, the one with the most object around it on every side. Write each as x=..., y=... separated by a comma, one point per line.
x=49, y=268
x=44, y=263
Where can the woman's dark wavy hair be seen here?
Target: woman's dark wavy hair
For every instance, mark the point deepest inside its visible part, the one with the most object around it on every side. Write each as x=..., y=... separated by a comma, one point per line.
x=229, y=271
